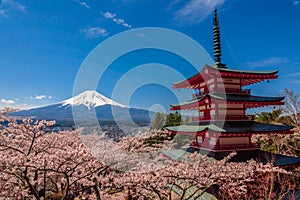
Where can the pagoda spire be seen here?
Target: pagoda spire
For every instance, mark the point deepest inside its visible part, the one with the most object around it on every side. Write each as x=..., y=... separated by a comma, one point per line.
x=217, y=41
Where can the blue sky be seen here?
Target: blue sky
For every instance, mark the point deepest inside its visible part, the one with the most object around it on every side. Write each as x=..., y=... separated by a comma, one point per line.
x=43, y=44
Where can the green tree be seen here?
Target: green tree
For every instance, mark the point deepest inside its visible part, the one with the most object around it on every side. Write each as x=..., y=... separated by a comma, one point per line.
x=275, y=117
x=159, y=121
x=173, y=119
x=278, y=143
x=269, y=117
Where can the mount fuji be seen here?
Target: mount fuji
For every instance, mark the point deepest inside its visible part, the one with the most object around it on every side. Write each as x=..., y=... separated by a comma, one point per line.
x=90, y=98
x=87, y=104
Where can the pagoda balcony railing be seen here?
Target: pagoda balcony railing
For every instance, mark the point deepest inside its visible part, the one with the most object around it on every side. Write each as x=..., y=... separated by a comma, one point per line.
x=236, y=146
x=227, y=118
x=227, y=147
x=237, y=91
x=227, y=90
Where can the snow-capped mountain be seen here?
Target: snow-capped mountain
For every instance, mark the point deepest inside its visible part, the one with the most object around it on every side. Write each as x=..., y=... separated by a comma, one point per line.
x=82, y=104
x=90, y=98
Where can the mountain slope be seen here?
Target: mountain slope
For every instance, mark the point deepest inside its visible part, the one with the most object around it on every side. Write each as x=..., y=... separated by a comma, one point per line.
x=86, y=105
x=90, y=98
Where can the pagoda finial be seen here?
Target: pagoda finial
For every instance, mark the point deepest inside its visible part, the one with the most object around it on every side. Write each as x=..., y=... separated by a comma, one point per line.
x=217, y=42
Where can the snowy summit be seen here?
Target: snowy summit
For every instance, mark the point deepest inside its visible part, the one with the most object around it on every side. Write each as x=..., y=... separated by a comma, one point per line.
x=90, y=98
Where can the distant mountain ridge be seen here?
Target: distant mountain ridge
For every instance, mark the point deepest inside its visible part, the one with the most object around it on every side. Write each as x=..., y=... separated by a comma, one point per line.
x=87, y=104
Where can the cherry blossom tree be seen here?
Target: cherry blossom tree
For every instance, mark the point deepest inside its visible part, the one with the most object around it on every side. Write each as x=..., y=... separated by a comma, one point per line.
x=38, y=163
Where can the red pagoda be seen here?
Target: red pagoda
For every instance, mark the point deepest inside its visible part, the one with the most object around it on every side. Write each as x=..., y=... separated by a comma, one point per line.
x=221, y=102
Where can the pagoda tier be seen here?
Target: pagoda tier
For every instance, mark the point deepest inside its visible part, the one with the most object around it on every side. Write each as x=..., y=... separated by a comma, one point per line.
x=226, y=76
x=224, y=136
x=218, y=106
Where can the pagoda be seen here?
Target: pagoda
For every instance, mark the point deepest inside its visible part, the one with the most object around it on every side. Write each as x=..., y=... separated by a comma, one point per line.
x=221, y=103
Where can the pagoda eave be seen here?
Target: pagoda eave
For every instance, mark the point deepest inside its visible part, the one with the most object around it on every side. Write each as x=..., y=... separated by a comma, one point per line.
x=246, y=77
x=232, y=134
x=247, y=104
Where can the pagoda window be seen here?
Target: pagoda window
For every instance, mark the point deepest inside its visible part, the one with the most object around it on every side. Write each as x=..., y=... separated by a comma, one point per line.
x=202, y=107
x=210, y=81
x=201, y=114
x=211, y=87
x=201, y=90
x=212, y=113
x=212, y=141
x=199, y=139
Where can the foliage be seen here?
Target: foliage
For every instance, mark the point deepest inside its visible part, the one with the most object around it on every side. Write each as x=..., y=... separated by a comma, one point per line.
x=173, y=119
x=288, y=114
x=159, y=121
x=35, y=163
x=147, y=142
x=236, y=180
x=274, y=117
x=281, y=144
x=291, y=107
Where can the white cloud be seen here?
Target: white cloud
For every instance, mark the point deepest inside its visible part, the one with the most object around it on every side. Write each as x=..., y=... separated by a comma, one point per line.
x=112, y=16
x=40, y=97
x=13, y=5
x=3, y=13
x=272, y=61
x=82, y=3
x=108, y=15
x=7, y=6
x=172, y=4
x=94, y=32
x=7, y=101
x=196, y=11
x=294, y=74
x=118, y=21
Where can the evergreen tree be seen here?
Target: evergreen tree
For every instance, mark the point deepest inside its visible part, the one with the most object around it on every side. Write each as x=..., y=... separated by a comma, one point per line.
x=173, y=119
x=159, y=121
x=274, y=117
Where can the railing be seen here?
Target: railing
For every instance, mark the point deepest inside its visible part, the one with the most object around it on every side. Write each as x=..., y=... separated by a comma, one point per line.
x=227, y=90
x=236, y=146
x=227, y=147
x=227, y=118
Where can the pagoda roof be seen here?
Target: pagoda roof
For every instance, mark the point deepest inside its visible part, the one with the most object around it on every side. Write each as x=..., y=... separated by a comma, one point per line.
x=261, y=156
x=242, y=156
x=250, y=101
x=247, y=77
x=231, y=127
